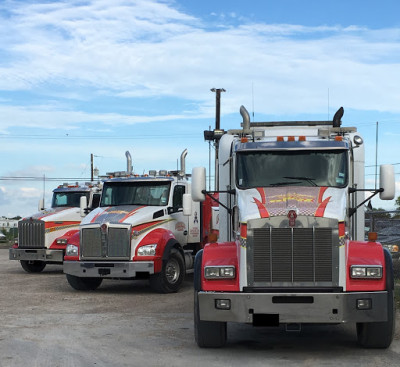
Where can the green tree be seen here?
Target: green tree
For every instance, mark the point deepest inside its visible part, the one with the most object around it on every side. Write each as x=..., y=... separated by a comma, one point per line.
x=380, y=213
x=397, y=203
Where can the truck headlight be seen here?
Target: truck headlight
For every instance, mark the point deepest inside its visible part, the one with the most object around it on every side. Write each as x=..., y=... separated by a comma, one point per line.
x=61, y=241
x=366, y=271
x=72, y=250
x=220, y=272
x=147, y=250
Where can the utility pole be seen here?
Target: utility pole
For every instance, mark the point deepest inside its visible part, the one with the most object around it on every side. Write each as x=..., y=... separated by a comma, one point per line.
x=217, y=130
x=91, y=167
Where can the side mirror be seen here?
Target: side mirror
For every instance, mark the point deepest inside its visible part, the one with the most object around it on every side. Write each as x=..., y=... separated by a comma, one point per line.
x=83, y=205
x=187, y=204
x=198, y=183
x=41, y=205
x=386, y=182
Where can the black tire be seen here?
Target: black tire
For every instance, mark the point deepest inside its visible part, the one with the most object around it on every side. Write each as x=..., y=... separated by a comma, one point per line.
x=172, y=274
x=208, y=334
x=83, y=284
x=33, y=266
x=380, y=334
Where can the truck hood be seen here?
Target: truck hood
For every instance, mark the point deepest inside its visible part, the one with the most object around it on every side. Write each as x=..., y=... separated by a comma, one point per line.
x=129, y=214
x=56, y=214
x=266, y=202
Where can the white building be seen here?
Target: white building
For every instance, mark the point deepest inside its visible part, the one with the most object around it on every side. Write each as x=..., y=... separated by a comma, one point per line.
x=6, y=224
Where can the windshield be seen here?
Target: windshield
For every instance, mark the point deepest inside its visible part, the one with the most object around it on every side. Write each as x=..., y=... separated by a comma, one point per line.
x=292, y=168
x=67, y=199
x=135, y=193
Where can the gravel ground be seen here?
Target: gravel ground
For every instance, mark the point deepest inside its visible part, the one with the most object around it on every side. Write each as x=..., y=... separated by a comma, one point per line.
x=44, y=322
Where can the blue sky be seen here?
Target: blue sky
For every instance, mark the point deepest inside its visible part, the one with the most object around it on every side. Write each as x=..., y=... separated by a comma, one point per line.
x=101, y=77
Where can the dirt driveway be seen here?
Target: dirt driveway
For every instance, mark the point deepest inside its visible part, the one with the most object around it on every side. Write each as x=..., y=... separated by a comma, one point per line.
x=44, y=322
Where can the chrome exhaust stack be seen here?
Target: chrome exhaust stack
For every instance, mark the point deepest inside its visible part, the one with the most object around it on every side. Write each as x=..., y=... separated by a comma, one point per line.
x=246, y=120
x=182, y=171
x=128, y=163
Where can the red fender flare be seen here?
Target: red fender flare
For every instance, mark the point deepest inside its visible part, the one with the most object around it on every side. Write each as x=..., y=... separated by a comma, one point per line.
x=164, y=239
x=365, y=253
x=217, y=254
x=73, y=239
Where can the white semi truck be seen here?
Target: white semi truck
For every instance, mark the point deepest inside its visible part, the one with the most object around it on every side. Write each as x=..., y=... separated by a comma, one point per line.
x=139, y=231
x=291, y=246
x=38, y=243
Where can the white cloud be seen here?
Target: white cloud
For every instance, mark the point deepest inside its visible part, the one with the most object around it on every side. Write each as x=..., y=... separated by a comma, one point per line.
x=30, y=192
x=68, y=55
x=143, y=49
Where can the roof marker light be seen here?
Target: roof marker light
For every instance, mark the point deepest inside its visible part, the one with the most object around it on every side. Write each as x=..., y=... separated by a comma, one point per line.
x=302, y=138
x=279, y=138
x=338, y=138
x=290, y=138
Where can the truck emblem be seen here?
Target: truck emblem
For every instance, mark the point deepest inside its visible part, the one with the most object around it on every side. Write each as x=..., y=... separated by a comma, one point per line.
x=292, y=215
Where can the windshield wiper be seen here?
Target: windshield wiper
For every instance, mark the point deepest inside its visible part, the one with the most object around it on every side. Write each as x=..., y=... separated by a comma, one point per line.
x=308, y=179
x=284, y=183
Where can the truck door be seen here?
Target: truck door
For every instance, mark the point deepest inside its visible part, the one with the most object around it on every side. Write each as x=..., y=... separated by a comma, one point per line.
x=179, y=226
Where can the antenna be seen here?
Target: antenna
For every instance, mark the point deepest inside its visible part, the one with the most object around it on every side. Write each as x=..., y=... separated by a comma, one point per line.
x=252, y=98
x=44, y=186
x=376, y=153
x=328, y=104
x=209, y=162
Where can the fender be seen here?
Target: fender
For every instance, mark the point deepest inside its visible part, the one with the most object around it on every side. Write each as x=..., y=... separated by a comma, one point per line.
x=217, y=254
x=74, y=239
x=389, y=270
x=365, y=253
x=67, y=236
x=165, y=241
x=198, y=260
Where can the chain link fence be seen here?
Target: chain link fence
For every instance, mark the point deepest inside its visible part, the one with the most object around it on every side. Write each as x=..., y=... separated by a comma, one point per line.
x=387, y=225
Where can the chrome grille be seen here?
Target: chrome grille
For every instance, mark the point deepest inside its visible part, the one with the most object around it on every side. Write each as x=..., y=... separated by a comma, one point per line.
x=31, y=233
x=112, y=243
x=91, y=242
x=292, y=256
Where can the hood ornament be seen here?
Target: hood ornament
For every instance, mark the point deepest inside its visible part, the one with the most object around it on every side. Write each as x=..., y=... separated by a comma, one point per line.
x=292, y=215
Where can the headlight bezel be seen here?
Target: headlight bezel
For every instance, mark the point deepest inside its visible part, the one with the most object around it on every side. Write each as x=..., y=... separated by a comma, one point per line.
x=366, y=272
x=71, y=250
x=147, y=250
x=215, y=272
x=62, y=241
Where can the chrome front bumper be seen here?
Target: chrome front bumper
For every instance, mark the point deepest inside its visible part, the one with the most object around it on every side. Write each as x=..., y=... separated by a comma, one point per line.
x=104, y=269
x=331, y=308
x=46, y=255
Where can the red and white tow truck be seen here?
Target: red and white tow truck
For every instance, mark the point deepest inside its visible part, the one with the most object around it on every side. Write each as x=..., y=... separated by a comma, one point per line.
x=139, y=231
x=291, y=246
x=38, y=243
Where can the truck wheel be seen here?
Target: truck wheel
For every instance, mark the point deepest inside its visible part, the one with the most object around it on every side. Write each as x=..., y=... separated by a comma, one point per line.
x=83, y=284
x=172, y=274
x=208, y=334
x=33, y=266
x=378, y=334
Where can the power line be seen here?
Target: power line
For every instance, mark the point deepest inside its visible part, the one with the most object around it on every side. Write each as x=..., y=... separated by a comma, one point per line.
x=94, y=137
x=41, y=178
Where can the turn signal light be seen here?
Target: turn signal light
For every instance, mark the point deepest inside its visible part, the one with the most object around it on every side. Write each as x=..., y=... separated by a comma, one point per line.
x=372, y=236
